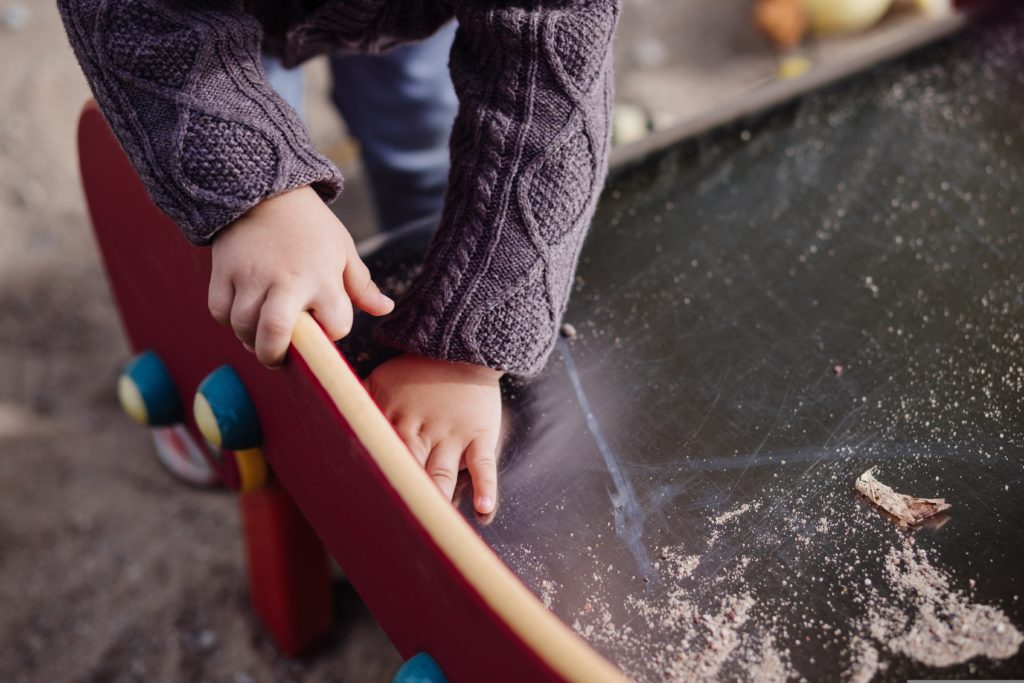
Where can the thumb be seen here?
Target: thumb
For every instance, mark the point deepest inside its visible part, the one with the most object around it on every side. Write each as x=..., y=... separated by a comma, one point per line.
x=363, y=291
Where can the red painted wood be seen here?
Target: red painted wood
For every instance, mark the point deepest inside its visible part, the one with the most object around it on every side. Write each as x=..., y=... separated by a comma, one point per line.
x=160, y=282
x=289, y=574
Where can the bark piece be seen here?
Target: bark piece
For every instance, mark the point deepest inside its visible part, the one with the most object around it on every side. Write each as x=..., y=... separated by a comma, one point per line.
x=905, y=510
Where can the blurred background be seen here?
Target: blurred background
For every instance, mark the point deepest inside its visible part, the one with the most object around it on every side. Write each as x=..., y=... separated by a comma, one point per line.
x=110, y=570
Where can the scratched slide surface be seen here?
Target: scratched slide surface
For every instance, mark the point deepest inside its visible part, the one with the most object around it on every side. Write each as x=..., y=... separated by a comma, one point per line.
x=761, y=315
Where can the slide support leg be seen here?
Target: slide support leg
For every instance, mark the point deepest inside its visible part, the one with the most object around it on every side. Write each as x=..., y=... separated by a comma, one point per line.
x=289, y=574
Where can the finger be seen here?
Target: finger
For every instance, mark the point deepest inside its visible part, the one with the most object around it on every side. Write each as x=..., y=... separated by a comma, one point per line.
x=245, y=314
x=362, y=290
x=277, y=320
x=409, y=430
x=333, y=311
x=220, y=297
x=443, y=466
x=482, y=463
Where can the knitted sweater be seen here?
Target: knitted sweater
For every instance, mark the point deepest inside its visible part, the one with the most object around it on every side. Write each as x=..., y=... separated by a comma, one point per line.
x=181, y=84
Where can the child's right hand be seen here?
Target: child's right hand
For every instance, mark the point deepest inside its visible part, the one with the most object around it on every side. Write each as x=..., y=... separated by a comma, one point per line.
x=288, y=254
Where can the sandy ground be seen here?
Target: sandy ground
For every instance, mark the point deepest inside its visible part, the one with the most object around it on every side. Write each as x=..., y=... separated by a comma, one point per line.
x=109, y=569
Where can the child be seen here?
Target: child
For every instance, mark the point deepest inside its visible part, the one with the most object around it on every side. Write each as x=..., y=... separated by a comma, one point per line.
x=181, y=85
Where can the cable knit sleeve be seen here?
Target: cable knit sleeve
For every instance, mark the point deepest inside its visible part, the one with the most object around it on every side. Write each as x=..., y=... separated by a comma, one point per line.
x=181, y=85
x=529, y=156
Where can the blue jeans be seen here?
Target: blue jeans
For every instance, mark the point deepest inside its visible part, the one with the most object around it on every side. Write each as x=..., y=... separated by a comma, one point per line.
x=400, y=107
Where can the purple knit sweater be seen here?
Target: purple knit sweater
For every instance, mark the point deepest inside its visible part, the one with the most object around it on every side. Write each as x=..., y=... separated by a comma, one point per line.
x=181, y=85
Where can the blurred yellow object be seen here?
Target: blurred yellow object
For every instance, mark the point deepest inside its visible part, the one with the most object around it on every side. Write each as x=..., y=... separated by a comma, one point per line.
x=629, y=123
x=845, y=16
x=793, y=66
x=934, y=8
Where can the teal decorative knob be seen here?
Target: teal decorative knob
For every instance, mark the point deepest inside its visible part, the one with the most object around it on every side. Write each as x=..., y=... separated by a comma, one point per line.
x=420, y=668
x=147, y=393
x=224, y=412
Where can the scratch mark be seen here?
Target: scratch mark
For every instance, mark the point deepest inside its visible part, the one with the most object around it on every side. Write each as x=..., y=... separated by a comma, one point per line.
x=974, y=233
x=626, y=508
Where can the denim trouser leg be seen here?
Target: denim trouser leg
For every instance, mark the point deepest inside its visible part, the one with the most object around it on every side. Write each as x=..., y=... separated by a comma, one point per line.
x=400, y=106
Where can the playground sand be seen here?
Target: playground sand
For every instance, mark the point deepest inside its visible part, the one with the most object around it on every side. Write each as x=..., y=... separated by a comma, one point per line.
x=947, y=627
x=697, y=618
x=715, y=629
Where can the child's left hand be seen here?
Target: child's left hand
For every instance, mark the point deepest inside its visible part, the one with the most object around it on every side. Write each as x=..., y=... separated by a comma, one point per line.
x=449, y=415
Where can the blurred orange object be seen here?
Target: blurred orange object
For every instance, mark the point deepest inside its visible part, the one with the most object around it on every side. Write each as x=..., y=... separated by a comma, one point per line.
x=783, y=21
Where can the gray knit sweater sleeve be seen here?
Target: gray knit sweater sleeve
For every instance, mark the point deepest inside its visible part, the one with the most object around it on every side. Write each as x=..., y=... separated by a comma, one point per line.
x=183, y=90
x=529, y=153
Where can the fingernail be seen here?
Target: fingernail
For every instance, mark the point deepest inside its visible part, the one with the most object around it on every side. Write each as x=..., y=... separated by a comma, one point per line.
x=249, y=347
x=387, y=299
x=485, y=504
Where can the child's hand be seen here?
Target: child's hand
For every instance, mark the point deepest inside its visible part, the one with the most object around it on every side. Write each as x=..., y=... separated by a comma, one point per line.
x=449, y=415
x=286, y=255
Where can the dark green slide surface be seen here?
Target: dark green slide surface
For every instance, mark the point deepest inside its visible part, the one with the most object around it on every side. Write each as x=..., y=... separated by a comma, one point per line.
x=762, y=314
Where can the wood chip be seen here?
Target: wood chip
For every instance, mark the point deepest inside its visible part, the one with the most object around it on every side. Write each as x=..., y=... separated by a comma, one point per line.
x=905, y=510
